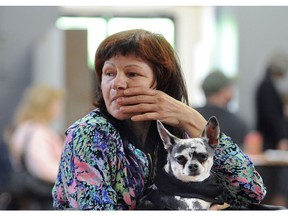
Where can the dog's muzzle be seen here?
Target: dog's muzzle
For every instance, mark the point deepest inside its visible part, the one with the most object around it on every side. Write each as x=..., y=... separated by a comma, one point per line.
x=193, y=169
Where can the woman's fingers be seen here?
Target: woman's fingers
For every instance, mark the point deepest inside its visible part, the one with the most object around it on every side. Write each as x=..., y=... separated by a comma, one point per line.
x=145, y=101
x=148, y=104
x=138, y=99
x=138, y=95
x=140, y=91
x=151, y=105
x=140, y=108
x=145, y=111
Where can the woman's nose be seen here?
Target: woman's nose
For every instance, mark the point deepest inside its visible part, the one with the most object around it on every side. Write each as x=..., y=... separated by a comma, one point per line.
x=120, y=82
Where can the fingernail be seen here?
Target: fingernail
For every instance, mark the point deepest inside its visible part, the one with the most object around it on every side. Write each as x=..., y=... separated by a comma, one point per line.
x=119, y=99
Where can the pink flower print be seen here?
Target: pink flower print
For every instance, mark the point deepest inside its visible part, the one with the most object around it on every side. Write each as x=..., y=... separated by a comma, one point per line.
x=87, y=173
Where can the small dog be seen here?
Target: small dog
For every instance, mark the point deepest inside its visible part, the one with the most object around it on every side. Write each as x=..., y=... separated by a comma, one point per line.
x=183, y=183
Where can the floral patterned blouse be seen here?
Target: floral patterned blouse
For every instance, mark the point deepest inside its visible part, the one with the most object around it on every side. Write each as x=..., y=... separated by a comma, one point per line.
x=96, y=173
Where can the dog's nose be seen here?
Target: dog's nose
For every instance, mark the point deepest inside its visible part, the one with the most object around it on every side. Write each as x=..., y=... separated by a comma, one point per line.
x=193, y=167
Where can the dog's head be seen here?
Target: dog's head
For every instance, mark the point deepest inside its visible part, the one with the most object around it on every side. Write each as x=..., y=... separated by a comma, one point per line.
x=191, y=159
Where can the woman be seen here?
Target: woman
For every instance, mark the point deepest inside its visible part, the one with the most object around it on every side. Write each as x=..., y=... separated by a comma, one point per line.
x=33, y=144
x=40, y=106
x=111, y=155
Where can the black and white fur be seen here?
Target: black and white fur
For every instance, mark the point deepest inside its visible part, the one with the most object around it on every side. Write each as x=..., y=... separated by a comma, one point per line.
x=188, y=160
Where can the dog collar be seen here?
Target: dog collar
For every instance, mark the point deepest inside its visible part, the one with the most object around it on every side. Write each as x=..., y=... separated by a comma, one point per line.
x=204, y=190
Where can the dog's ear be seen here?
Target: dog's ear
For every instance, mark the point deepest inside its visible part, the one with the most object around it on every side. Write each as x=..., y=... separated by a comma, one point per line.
x=212, y=132
x=167, y=138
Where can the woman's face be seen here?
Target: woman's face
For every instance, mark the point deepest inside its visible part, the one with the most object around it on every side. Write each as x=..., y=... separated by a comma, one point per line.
x=120, y=73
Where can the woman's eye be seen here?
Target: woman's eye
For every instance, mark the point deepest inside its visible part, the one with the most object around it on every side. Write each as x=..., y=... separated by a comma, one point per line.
x=108, y=73
x=181, y=159
x=132, y=74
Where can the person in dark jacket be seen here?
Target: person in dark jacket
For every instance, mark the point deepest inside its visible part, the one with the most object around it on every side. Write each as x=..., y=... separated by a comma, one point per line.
x=219, y=91
x=271, y=121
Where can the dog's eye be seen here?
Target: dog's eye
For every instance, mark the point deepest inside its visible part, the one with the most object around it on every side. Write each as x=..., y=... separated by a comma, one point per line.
x=202, y=157
x=181, y=159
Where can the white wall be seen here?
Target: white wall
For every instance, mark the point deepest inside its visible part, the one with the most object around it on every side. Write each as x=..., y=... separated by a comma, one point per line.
x=49, y=58
x=48, y=64
x=194, y=47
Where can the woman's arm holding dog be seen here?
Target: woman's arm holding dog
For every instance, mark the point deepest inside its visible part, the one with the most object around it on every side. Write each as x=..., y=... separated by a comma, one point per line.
x=237, y=174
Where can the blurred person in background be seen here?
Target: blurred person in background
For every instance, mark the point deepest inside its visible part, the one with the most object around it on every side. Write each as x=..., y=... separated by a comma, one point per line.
x=33, y=135
x=272, y=122
x=219, y=91
x=270, y=107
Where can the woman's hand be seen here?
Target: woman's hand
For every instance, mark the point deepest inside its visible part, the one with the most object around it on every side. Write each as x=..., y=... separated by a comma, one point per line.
x=149, y=104
x=219, y=207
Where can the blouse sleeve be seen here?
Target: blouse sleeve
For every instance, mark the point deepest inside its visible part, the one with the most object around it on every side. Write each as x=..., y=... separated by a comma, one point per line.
x=86, y=171
x=237, y=174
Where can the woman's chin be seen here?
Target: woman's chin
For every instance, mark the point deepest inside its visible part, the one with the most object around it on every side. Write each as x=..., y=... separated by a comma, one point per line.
x=121, y=116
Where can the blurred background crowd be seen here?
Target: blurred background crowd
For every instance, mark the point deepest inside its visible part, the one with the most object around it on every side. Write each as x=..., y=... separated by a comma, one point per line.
x=234, y=58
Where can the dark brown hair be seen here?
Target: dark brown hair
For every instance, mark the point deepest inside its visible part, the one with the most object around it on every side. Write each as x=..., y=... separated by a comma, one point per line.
x=154, y=49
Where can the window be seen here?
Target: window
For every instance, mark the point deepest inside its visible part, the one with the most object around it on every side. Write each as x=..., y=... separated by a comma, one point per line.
x=98, y=28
